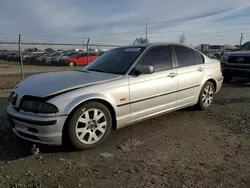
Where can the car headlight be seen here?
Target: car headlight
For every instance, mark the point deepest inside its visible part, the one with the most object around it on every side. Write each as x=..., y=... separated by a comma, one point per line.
x=36, y=107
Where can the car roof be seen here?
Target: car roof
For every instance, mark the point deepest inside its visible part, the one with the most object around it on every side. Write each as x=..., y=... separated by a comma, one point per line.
x=153, y=44
x=87, y=52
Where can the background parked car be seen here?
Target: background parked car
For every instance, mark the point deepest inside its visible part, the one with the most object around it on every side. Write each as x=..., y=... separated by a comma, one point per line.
x=213, y=51
x=237, y=64
x=55, y=58
x=81, y=59
x=11, y=56
x=41, y=58
x=48, y=59
x=32, y=59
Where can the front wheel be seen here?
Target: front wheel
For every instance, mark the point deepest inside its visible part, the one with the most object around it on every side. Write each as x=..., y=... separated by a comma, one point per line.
x=206, y=96
x=89, y=126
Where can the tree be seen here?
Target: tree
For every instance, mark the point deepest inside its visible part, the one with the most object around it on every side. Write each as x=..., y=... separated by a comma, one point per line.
x=49, y=50
x=182, y=39
x=31, y=49
x=140, y=40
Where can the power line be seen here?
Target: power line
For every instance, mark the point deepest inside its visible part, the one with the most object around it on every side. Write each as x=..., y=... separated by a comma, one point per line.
x=128, y=32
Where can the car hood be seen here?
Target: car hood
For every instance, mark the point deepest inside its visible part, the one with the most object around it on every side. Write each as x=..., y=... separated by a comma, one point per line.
x=46, y=84
x=238, y=53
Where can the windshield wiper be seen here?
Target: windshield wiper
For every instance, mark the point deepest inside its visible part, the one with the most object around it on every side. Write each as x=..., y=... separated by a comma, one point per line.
x=96, y=70
x=83, y=71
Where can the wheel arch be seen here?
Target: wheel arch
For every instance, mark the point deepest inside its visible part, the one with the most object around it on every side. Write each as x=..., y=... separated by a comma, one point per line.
x=213, y=82
x=100, y=100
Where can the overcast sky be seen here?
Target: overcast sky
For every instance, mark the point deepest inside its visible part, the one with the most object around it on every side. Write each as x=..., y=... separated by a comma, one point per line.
x=120, y=21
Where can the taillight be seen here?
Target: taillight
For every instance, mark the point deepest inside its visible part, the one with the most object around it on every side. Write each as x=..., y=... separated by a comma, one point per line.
x=220, y=69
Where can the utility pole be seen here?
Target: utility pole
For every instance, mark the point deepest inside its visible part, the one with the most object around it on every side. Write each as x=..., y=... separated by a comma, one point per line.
x=88, y=50
x=241, y=38
x=146, y=31
x=20, y=56
x=83, y=43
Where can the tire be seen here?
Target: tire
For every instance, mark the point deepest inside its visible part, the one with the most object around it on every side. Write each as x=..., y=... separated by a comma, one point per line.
x=72, y=64
x=206, y=99
x=85, y=133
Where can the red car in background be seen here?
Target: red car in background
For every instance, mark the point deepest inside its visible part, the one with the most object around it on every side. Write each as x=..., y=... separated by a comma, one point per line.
x=81, y=59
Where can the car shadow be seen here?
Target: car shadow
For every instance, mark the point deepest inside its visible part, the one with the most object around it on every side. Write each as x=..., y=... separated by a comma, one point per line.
x=13, y=147
x=224, y=101
x=237, y=82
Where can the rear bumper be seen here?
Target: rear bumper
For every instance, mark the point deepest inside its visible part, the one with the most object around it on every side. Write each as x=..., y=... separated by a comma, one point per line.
x=219, y=83
x=44, y=130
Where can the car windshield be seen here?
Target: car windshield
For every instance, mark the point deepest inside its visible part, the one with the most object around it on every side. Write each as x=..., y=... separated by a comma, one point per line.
x=64, y=53
x=116, y=61
x=245, y=47
x=73, y=54
x=53, y=54
x=215, y=47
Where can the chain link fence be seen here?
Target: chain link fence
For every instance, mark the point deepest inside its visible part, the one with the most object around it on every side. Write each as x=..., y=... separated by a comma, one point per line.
x=22, y=57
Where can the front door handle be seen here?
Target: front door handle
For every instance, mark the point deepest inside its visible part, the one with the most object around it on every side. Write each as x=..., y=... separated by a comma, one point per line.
x=172, y=75
x=200, y=69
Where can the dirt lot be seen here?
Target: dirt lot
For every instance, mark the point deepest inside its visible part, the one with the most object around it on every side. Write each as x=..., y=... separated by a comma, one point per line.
x=182, y=149
x=10, y=73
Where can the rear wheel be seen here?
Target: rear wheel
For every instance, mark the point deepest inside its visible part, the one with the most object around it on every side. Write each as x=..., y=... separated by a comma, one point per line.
x=72, y=64
x=206, y=96
x=89, y=126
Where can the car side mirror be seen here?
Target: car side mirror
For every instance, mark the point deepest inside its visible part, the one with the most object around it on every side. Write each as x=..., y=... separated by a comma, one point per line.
x=145, y=69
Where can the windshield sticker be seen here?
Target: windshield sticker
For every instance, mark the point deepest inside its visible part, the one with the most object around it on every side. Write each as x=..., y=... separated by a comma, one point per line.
x=132, y=49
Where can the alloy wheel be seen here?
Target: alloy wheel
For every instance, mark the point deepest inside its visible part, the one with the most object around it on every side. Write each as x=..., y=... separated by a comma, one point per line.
x=207, y=95
x=91, y=126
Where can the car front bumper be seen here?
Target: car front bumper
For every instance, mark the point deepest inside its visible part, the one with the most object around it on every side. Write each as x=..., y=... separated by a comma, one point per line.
x=44, y=130
x=238, y=72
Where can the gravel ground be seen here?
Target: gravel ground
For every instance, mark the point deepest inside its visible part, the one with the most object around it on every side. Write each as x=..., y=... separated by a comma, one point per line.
x=182, y=149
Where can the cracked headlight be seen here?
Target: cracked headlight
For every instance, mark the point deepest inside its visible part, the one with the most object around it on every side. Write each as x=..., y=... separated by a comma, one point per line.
x=36, y=107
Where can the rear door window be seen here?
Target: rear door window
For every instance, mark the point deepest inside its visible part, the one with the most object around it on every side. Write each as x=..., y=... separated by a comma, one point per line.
x=185, y=56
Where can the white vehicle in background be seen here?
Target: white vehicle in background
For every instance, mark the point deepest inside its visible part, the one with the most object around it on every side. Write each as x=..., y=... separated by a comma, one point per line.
x=213, y=51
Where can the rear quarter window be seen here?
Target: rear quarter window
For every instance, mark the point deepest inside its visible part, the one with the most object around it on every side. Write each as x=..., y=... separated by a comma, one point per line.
x=199, y=59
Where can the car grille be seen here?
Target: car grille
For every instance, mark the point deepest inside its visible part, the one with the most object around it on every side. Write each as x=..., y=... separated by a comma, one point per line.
x=239, y=59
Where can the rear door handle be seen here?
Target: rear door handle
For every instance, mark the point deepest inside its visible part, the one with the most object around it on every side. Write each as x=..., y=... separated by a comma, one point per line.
x=172, y=75
x=200, y=69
